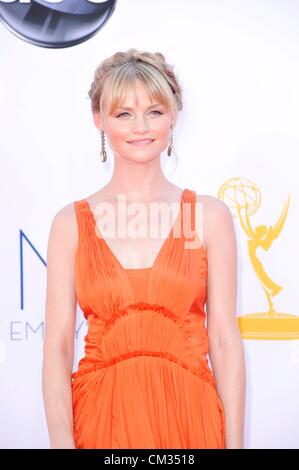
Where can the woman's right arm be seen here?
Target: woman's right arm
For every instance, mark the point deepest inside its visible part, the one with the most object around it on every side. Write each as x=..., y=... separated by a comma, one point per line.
x=60, y=323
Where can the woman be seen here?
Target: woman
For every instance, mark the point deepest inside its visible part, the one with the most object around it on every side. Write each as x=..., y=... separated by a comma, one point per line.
x=144, y=381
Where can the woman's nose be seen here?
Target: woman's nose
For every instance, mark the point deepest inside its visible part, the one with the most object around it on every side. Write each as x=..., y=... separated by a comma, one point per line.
x=140, y=124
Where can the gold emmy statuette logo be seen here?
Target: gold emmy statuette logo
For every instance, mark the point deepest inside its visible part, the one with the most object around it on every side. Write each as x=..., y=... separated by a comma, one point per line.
x=244, y=198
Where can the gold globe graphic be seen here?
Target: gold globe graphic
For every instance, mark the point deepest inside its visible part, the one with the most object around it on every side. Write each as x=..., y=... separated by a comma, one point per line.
x=243, y=197
x=240, y=193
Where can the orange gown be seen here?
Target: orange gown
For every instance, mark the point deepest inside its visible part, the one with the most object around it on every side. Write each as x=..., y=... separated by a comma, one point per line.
x=144, y=380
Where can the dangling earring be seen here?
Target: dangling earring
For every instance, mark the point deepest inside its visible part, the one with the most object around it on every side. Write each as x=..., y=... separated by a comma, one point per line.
x=103, y=153
x=170, y=147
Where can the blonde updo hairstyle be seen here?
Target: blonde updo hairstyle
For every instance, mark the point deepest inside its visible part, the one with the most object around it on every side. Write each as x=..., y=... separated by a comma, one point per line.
x=120, y=71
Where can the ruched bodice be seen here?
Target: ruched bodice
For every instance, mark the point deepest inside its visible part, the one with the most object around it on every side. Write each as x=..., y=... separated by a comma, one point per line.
x=144, y=380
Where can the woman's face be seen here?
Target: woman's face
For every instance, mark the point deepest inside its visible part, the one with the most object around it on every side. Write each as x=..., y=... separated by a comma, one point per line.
x=138, y=117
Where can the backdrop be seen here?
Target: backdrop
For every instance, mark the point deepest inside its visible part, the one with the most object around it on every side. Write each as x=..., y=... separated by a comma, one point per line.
x=237, y=139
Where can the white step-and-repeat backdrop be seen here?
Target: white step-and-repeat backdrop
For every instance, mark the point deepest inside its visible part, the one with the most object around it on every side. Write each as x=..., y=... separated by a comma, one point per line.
x=237, y=139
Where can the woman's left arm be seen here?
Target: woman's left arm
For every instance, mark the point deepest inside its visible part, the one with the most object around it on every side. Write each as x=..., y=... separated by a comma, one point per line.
x=226, y=345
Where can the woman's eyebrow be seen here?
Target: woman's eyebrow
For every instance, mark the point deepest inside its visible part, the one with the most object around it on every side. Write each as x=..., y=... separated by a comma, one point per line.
x=151, y=106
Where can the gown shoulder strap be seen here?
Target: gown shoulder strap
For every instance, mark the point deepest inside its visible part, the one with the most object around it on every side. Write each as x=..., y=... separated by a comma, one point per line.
x=80, y=205
x=83, y=221
x=195, y=218
x=189, y=213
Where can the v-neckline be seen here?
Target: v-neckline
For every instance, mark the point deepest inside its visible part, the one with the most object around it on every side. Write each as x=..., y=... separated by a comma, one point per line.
x=162, y=247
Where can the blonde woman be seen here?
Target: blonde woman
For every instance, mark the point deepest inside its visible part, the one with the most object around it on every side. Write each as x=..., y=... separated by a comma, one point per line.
x=144, y=380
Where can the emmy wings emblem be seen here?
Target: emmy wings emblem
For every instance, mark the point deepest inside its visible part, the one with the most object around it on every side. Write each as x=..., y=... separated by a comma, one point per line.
x=244, y=198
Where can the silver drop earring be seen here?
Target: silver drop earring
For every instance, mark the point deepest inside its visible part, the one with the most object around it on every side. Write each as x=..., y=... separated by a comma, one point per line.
x=170, y=147
x=103, y=153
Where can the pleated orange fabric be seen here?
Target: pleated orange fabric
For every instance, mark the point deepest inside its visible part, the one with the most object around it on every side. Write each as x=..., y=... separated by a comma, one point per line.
x=144, y=380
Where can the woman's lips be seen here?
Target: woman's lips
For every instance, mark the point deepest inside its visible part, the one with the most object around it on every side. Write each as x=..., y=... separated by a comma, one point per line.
x=141, y=142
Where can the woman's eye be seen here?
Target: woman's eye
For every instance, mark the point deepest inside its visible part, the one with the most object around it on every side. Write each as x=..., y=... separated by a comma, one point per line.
x=122, y=114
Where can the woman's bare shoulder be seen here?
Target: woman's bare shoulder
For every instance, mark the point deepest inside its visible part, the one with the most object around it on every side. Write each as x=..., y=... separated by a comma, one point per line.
x=64, y=224
x=215, y=214
x=212, y=205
